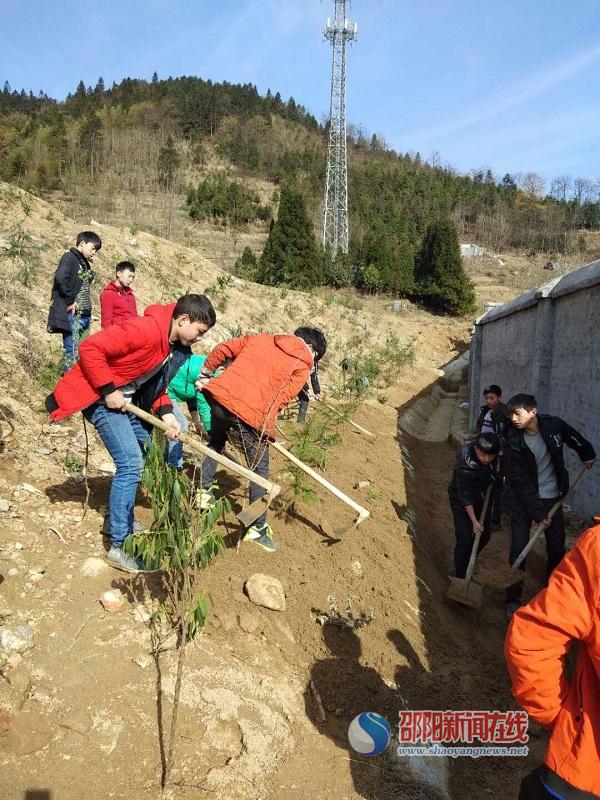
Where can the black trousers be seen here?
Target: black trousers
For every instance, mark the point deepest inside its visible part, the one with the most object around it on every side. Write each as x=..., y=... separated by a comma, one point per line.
x=224, y=423
x=463, y=531
x=520, y=523
x=532, y=787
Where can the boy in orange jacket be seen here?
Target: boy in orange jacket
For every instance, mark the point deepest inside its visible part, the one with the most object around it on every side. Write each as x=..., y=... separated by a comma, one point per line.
x=266, y=372
x=537, y=641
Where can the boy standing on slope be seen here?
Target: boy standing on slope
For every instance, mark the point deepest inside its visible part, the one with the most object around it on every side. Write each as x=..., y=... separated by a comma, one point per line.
x=71, y=302
x=117, y=300
x=536, y=478
x=266, y=373
x=133, y=362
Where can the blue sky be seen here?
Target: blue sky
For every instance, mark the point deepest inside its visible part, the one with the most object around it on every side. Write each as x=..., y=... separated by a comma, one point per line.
x=514, y=86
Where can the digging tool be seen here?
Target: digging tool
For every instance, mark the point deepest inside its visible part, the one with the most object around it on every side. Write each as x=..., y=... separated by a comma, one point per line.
x=362, y=512
x=539, y=529
x=351, y=421
x=253, y=511
x=464, y=590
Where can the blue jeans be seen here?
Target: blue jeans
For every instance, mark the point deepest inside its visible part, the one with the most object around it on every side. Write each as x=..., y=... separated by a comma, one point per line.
x=126, y=440
x=175, y=449
x=79, y=325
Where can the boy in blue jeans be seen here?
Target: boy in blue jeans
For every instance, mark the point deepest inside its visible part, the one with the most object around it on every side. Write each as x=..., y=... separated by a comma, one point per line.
x=133, y=361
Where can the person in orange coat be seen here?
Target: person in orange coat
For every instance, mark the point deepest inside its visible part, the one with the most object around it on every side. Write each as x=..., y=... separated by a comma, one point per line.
x=265, y=373
x=537, y=641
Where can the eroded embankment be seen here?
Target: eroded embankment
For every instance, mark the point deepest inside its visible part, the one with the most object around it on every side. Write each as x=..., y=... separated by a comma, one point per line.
x=464, y=646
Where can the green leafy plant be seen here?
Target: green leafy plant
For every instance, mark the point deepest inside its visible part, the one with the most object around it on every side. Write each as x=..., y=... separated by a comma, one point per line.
x=348, y=619
x=73, y=464
x=182, y=541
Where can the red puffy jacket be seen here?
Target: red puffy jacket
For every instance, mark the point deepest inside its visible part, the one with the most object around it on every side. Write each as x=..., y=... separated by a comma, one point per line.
x=117, y=303
x=112, y=358
x=538, y=639
x=267, y=372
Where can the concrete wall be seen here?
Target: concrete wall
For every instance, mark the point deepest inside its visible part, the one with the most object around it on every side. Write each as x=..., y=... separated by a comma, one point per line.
x=547, y=343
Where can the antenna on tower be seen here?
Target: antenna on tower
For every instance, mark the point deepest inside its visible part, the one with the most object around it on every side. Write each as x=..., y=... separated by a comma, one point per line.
x=339, y=31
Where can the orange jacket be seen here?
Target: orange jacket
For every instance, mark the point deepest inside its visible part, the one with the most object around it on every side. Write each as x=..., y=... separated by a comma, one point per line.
x=267, y=372
x=539, y=636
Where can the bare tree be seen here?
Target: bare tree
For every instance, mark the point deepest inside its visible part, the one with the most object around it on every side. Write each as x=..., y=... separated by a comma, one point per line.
x=583, y=190
x=561, y=186
x=533, y=185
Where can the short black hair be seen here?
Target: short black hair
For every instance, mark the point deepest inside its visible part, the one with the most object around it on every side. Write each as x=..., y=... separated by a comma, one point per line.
x=489, y=443
x=198, y=308
x=314, y=337
x=91, y=237
x=123, y=265
x=526, y=401
x=493, y=388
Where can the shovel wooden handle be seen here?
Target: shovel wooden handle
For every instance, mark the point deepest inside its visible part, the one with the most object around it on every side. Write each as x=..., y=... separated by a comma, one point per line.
x=272, y=488
x=351, y=421
x=362, y=512
x=486, y=502
x=539, y=529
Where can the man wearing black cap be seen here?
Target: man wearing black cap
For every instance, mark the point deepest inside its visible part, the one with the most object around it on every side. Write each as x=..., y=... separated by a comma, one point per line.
x=474, y=471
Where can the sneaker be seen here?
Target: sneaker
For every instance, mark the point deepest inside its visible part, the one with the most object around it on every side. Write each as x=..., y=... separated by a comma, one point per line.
x=120, y=560
x=262, y=536
x=511, y=608
x=205, y=498
x=138, y=527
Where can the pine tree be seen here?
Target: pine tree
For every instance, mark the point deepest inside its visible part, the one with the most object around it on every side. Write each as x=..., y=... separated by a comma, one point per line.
x=155, y=77
x=291, y=256
x=168, y=161
x=441, y=280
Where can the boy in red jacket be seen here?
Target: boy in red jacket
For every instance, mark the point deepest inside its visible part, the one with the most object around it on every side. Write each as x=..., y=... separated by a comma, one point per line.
x=117, y=300
x=134, y=362
x=265, y=373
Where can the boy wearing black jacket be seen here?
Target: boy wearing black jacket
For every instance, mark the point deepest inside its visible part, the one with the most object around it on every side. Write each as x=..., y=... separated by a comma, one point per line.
x=493, y=418
x=536, y=478
x=71, y=302
x=474, y=471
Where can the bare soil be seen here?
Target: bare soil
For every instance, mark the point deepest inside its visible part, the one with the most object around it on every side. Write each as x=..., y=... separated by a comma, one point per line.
x=249, y=724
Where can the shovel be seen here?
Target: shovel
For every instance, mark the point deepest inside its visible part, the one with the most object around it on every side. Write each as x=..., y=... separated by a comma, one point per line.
x=253, y=511
x=463, y=590
x=539, y=529
x=362, y=512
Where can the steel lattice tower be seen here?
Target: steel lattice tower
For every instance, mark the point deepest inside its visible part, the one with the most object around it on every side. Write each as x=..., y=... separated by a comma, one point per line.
x=335, y=213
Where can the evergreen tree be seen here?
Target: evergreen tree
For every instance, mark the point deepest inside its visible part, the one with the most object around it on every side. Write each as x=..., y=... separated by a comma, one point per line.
x=291, y=256
x=155, y=77
x=100, y=88
x=245, y=266
x=168, y=162
x=441, y=280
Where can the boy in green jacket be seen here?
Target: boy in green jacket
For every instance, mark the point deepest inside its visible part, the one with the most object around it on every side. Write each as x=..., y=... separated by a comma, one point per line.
x=182, y=390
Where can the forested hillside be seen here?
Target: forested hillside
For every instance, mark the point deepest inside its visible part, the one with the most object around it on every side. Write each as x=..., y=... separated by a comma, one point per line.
x=143, y=145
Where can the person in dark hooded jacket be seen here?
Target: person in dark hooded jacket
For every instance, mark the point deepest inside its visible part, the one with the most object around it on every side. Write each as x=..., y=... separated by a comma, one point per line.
x=474, y=471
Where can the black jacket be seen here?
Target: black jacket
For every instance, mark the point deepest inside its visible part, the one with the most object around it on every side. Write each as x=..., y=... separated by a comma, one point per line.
x=65, y=288
x=520, y=465
x=314, y=382
x=470, y=478
x=500, y=420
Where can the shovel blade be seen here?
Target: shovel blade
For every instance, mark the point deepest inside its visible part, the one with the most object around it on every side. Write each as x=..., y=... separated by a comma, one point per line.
x=253, y=511
x=465, y=592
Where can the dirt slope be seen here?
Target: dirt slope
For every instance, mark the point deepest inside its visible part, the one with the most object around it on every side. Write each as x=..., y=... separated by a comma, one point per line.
x=85, y=696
